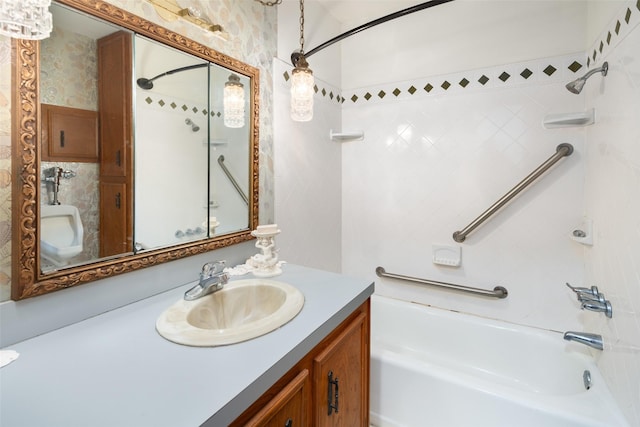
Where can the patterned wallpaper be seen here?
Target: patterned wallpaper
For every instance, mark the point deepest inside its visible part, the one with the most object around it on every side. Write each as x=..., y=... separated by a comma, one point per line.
x=69, y=64
x=252, y=31
x=5, y=167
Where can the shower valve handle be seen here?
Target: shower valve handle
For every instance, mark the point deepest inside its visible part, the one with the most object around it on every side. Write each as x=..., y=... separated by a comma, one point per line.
x=584, y=291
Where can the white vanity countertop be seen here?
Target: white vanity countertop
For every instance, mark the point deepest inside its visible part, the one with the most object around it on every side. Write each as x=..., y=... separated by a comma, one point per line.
x=115, y=370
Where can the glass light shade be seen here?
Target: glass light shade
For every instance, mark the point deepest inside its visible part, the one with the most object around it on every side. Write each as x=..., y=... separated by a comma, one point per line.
x=233, y=103
x=25, y=19
x=302, y=94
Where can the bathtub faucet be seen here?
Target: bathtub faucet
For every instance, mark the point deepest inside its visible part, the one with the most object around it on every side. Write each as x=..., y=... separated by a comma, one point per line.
x=592, y=340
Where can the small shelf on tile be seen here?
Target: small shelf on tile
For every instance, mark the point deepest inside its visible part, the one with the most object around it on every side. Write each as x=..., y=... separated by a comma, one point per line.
x=346, y=136
x=564, y=120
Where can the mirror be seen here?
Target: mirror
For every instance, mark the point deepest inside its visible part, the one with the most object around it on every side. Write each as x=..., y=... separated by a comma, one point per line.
x=187, y=184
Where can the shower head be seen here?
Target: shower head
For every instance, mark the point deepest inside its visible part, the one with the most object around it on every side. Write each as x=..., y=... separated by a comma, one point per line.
x=577, y=85
x=145, y=84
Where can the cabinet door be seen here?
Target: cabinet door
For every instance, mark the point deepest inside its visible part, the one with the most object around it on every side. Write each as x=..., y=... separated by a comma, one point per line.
x=341, y=378
x=287, y=408
x=113, y=219
x=114, y=72
x=71, y=134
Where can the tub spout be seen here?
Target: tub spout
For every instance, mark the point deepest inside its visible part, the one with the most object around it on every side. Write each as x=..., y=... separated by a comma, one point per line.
x=592, y=340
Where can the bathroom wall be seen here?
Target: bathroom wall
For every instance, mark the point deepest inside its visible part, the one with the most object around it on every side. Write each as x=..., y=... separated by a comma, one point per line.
x=252, y=30
x=307, y=163
x=612, y=183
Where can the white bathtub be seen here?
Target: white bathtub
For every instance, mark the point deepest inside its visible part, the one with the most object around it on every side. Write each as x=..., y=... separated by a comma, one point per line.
x=433, y=367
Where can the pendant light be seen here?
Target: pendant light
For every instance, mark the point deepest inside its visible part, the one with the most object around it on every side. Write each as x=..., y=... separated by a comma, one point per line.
x=233, y=100
x=22, y=19
x=302, y=84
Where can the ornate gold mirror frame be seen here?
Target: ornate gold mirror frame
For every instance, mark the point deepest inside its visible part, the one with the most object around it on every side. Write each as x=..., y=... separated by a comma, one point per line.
x=27, y=278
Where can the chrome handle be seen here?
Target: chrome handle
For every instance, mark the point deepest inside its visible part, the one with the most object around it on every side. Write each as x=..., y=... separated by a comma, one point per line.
x=597, y=306
x=588, y=297
x=593, y=290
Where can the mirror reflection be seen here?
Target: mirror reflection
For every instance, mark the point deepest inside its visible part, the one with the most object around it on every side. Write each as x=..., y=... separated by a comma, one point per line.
x=143, y=146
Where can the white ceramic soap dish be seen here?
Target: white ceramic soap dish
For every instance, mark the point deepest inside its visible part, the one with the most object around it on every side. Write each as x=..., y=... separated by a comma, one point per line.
x=446, y=255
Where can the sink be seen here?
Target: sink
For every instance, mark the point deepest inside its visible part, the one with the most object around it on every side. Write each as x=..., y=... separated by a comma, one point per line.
x=242, y=310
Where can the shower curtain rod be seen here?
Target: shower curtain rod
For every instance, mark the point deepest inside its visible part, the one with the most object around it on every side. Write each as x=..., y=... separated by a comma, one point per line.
x=375, y=22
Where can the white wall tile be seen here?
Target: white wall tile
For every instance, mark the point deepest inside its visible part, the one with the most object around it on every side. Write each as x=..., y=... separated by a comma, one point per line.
x=612, y=190
x=430, y=165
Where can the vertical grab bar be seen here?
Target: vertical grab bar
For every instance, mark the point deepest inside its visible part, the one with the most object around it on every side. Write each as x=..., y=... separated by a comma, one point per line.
x=232, y=179
x=562, y=150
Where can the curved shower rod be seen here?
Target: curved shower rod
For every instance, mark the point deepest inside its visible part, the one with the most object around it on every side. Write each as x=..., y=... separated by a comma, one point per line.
x=373, y=23
x=147, y=84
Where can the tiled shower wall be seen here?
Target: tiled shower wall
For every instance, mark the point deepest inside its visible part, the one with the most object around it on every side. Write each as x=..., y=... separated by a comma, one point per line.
x=613, y=204
x=440, y=150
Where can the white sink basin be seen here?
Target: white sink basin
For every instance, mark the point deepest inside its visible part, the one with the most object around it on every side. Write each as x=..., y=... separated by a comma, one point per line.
x=242, y=310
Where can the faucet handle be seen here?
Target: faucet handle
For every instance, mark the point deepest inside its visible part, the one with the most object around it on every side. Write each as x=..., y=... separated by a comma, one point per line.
x=211, y=268
x=589, y=297
x=589, y=291
x=602, y=307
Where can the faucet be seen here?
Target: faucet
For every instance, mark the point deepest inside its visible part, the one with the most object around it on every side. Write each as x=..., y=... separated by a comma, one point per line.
x=212, y=279
x=592, y=340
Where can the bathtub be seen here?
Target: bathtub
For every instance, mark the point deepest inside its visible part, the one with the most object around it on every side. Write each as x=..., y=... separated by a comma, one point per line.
x=434, y=367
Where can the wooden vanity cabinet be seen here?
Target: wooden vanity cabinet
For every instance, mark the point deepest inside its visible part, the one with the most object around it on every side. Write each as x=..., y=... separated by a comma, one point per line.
x=328, y=387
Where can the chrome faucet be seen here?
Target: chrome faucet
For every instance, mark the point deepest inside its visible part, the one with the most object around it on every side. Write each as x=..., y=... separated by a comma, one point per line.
x=212, y=279
x=592, y=340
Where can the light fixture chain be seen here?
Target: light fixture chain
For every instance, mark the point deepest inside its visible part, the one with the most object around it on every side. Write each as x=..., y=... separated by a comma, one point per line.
x=302, y=26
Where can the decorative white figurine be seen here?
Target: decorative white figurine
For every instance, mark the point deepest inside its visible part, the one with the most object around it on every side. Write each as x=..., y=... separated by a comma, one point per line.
x=265, y=264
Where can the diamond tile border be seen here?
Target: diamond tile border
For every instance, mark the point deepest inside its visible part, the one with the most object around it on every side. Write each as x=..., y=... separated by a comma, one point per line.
x=618, y=28
x=167, y=103
x=529, y=73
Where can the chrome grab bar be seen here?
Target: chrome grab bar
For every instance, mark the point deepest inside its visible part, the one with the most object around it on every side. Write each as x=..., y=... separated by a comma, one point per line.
x=497, y=292
x=232, y=179
x=562, y=150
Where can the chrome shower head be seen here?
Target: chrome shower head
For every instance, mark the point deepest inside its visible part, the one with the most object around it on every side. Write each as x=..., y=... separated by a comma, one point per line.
x=577, y=85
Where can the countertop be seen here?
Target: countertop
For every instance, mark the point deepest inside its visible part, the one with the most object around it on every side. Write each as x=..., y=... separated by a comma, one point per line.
x=116, y=370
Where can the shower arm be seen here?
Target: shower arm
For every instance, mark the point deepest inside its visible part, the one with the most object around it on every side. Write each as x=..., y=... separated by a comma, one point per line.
x=370, y=24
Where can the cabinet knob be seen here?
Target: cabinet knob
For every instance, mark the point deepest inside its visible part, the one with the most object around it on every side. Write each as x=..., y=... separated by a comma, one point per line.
x=288, y=423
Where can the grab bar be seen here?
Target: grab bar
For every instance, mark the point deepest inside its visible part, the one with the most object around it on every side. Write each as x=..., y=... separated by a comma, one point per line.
x=562, y=150
x=232, y=179
x=497, y=292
